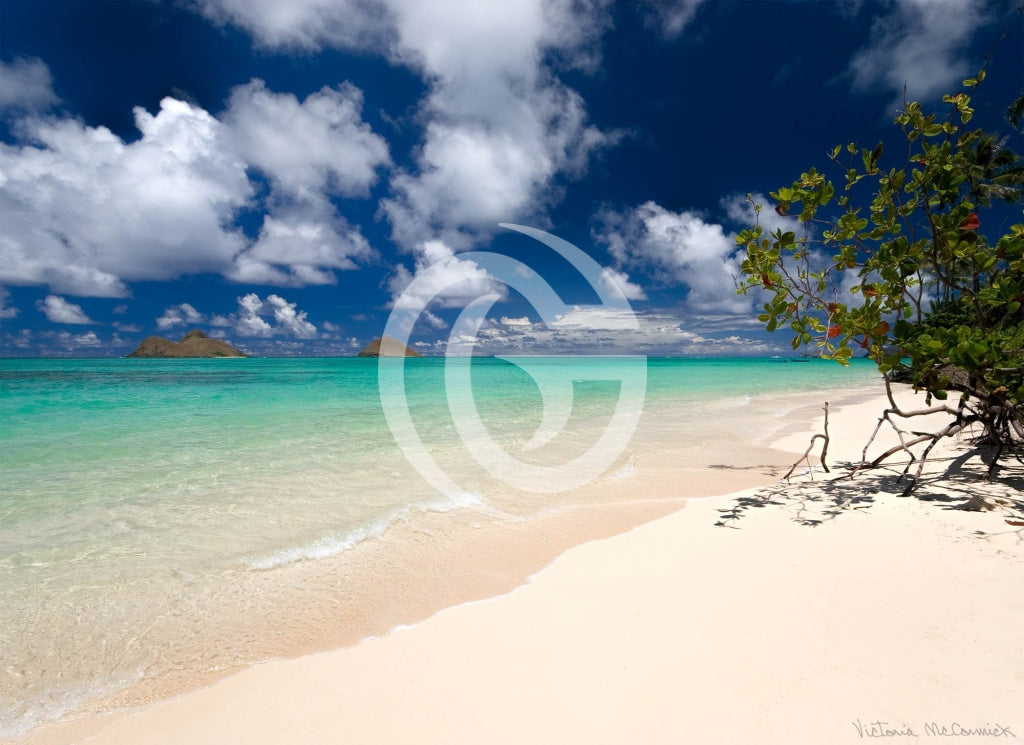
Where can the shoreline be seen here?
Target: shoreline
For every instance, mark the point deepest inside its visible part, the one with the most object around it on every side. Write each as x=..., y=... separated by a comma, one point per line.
x=426, y=561
x=504, y=575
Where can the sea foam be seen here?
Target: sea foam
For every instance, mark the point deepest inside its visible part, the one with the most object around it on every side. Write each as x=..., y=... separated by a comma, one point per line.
x=338, y=543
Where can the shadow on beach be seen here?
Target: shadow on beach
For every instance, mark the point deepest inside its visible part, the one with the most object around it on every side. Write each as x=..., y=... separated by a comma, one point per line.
x=955, y=482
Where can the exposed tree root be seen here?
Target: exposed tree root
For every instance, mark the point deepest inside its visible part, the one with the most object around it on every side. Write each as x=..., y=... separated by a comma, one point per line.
x=999, y=431
x=807, y=452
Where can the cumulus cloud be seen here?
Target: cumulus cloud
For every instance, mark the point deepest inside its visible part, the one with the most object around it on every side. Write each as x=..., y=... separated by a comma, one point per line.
x=183, y=314
x=920, y=44
x=301, y=244
x=255, y=317
x=309, y=150
x=83, y=211
x=499, y=127
x=25, y=85
x=316, y=146
x=59, y=310
x=451, y=282
x=86, y=212
x=285, y=318
x=686, y=248
x=678, y=247
x=293, y=322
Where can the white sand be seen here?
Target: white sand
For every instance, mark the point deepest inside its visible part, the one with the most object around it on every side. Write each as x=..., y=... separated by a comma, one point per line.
x=794, y=623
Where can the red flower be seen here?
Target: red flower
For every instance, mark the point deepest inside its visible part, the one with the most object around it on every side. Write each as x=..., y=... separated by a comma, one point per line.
x=834, y=330
x=971, y=222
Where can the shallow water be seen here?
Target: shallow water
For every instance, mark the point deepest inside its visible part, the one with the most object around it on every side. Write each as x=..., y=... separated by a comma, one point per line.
x=138, y=495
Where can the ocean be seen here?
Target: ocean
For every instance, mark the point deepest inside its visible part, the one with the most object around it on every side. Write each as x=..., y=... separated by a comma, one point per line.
x=160, y=519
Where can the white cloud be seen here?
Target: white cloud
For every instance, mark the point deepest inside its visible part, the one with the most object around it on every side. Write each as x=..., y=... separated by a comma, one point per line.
x=69, y=341
x=739, y=209
x=288, y=320
x=920, y=44
x=6, y=311
x=25, y=84
x=308, y=150
x=595, y=318
x=612, y=280
x=307, y=24
x=59, y=310
x=451, y=282
x=678, y=247
x=301, y=245
x=317, y=146
x=293, y=322
x=499, y=127
x=182, y=314
x=685, y=248
x=670, y=17
x=249, y=321
x=84, y=211
x=598, y=330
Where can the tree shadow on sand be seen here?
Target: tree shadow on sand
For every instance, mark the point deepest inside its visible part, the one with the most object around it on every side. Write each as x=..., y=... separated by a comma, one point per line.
x=814, y=498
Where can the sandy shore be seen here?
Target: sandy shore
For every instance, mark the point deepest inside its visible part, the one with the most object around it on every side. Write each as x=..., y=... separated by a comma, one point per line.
x=827, y=612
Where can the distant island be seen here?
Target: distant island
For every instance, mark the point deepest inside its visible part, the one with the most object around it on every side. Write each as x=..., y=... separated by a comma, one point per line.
x=386, y=346
x=193, y=344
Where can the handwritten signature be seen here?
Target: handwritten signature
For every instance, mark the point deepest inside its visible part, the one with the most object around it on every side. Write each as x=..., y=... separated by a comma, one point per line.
x=880, y=728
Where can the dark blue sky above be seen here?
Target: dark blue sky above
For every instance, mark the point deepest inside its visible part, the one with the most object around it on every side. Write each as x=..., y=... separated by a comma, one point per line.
x=279, y=173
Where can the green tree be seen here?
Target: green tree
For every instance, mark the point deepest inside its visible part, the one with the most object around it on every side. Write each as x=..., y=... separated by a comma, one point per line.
x=896, y=262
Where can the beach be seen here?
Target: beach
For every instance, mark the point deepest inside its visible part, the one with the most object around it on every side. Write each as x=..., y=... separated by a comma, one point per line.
x=819, y=611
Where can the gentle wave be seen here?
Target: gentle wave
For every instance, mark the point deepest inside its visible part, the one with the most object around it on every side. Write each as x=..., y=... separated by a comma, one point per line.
x=336, y=544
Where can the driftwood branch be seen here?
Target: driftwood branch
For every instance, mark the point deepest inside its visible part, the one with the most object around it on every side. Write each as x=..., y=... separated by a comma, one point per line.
x=807, y=452
x=962, y=418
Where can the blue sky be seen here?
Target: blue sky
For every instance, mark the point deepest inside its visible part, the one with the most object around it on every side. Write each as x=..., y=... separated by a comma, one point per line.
x=278, y=173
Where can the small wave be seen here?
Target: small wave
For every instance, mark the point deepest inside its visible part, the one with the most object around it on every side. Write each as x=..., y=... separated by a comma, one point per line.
x=21, y=718
x=333, y=545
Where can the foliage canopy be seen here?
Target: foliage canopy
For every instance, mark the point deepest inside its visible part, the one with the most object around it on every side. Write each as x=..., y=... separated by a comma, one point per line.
x=895, y=261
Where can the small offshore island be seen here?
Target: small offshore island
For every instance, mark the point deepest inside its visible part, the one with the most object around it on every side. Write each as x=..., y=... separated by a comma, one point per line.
x=387, y=346
x=193, y=344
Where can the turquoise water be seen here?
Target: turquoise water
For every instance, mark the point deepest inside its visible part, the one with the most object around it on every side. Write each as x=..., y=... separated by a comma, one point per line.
x=133, y=487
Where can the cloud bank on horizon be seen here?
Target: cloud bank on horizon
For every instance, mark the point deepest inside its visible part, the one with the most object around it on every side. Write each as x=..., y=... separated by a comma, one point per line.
x=291, y=210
